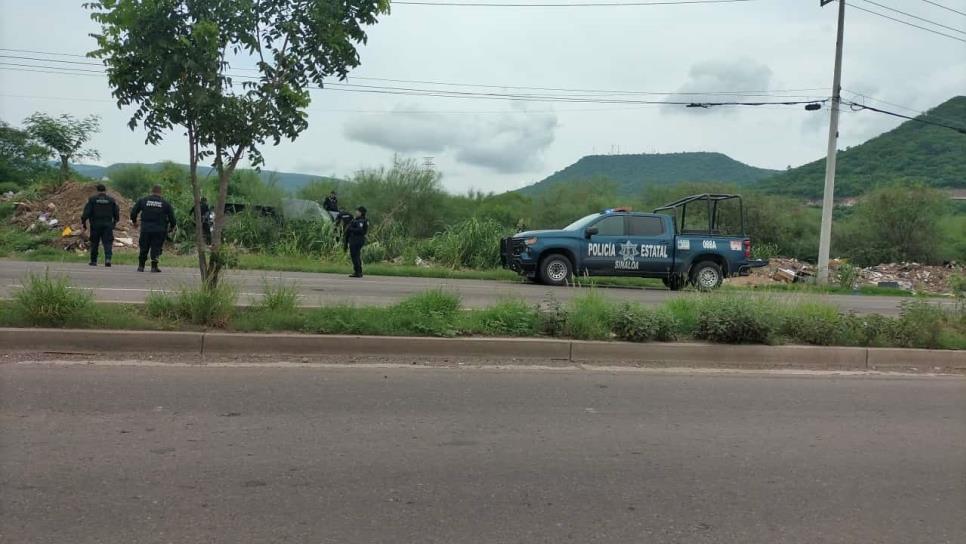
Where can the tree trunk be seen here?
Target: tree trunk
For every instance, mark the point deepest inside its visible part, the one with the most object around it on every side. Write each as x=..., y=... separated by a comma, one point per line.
x=196, y=192
x=216, y=260
x=64, y=168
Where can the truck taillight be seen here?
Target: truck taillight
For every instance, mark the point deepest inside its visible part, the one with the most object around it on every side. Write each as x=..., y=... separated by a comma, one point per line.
x=748, y=249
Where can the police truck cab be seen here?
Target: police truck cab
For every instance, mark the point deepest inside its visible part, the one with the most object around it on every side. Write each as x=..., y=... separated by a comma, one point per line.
x=698, y=239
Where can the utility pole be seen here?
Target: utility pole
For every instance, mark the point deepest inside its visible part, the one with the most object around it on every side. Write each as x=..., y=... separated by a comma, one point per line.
x=828, y=196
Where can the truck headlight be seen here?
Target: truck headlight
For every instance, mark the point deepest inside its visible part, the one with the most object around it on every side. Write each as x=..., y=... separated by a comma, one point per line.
x=530, y=241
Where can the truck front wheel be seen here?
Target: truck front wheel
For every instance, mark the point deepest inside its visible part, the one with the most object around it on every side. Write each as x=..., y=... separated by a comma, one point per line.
x=706, y=275
x=556, y=270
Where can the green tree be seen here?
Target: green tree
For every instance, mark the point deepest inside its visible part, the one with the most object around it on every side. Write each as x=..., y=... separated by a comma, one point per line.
x=22, y=159
x=171, y=59
x=892, y=224
x=65, y=136
x=133, y=181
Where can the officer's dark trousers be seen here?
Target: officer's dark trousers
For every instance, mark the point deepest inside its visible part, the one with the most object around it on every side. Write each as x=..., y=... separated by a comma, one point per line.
x=102, y=235
x=355, y=251
x=206, y=229
x=152, y=241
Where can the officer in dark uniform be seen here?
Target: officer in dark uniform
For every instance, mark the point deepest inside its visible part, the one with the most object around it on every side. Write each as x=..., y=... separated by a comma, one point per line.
x=331, y=205
x=102, y=212
x=355, y=238
x=205, y=219
x=157, y=220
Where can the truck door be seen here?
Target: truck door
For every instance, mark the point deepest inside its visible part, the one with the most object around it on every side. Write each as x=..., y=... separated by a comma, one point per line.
x=653, y=243
x=602, y=249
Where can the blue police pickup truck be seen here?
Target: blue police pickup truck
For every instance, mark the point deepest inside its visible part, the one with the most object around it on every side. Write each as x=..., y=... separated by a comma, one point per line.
x=620, y=242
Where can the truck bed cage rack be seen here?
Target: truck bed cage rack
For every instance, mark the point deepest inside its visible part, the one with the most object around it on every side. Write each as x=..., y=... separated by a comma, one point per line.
x=712, y=200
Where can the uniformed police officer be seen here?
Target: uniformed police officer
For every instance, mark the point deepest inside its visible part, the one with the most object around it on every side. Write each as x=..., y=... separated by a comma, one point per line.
x=157, y=220
x=205, y=219
x=102, y=212
x=355, y=238
x=331, y=205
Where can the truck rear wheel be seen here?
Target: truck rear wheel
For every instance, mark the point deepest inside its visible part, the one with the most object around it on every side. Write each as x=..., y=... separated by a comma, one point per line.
x=706, y=275
x=556, y=270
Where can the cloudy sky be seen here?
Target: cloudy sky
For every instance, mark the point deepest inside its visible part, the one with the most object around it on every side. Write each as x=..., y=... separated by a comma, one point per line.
x=784, y=47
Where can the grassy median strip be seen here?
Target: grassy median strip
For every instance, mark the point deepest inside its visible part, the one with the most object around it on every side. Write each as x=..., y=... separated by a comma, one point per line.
x=282, y=263
x=728, y=318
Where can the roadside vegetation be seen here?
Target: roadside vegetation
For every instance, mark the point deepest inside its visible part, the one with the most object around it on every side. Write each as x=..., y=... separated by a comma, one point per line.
x=727, y=318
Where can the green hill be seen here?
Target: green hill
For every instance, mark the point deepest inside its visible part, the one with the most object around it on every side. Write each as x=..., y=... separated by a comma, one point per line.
x=287, y=181
x=633, y=173
x=912, y=151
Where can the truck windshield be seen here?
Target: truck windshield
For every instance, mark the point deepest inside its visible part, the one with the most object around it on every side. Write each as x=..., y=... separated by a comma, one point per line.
x=582, y=222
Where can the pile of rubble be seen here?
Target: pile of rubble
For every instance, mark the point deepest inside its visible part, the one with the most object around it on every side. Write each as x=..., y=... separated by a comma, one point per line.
x=61, y=211
x=909, y=276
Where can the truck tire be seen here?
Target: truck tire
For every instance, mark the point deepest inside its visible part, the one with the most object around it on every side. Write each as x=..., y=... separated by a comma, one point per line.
x=706, y=275
x=556, y=269
x=674, y=282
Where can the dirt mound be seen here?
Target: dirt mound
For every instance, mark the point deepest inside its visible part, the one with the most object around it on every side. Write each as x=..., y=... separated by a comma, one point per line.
x=62, y=209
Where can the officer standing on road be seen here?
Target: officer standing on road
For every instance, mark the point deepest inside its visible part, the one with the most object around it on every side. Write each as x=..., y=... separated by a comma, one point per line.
x=102, y=212
x=157, y=219
x=355, y=238
x=205, y=219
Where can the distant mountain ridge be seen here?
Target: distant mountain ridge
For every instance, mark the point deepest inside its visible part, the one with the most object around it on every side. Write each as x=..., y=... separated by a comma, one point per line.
x=288, y=181
x=632, y=173
x=913, y=151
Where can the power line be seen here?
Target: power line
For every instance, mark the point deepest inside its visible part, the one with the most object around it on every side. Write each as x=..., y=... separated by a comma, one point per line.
x=916, y=119
x=906, y=23
x=752, y=93
x=435, y=93
x=610, y=96
x=35, y=52
x=563, y=5
x=923, y=19
x=901, y=107
x=938, y=5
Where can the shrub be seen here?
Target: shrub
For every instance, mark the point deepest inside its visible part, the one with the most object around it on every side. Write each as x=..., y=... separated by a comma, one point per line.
x=736, y=319
x=52, y=302
x=846, y=276
x=589, y=317
x=506, y=318
x=206, y=305
x=957, y=283
x=765, y=250
x=920, y=325
x=9, y=187
x=815, y=323
x=474, y=243
x=430, y=313
x=279, y=297
x=553, y=317
x=871, y=330
x=635, y=323
x=373, y=252
x=161, y=305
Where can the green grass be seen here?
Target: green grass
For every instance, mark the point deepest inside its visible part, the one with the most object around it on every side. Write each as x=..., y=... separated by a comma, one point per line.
x=718, y=317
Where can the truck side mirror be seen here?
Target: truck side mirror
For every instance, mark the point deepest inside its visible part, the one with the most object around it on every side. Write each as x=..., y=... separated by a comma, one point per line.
x=590, y=232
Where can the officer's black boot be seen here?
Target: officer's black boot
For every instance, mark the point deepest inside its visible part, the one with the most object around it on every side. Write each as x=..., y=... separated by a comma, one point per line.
x=140, y=265
x=154, y=266
x=107, y=263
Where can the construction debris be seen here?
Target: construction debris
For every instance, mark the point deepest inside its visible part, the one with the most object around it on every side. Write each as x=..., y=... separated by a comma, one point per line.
x=914, y=277
x=62, y=210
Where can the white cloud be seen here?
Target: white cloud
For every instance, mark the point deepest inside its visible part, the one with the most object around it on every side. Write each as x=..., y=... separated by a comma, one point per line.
x=505, y=142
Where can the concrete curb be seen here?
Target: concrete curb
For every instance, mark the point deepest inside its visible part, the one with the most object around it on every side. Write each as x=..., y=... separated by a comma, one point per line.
x=650, y=354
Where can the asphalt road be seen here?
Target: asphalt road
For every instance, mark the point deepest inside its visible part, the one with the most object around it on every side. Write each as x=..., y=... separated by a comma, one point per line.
x=123, y=284
x=149, y=454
